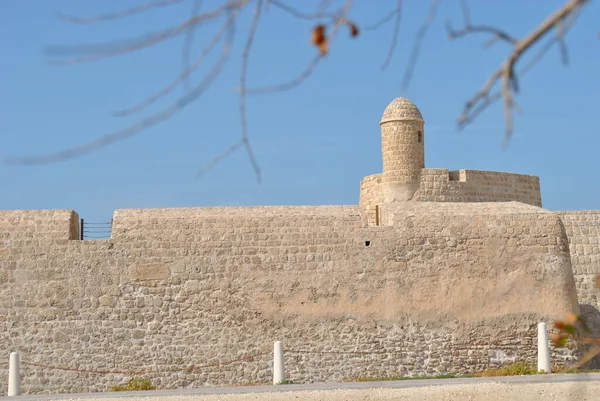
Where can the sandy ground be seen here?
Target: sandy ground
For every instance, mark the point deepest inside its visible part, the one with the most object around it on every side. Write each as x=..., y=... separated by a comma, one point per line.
x=581, y=391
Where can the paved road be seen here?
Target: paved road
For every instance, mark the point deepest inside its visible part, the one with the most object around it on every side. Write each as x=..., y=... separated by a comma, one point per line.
x=553, y=378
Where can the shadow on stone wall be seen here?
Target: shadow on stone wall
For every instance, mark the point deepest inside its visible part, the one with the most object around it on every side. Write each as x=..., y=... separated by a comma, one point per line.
x=592, y=317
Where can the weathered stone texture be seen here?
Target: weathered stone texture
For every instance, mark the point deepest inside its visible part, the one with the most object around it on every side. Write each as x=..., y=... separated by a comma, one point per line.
x=440, y=185
x=180, y=287
x=371, y=197
x=402, y=150
x=19, y=226
x=583, y=230
x=401, y=109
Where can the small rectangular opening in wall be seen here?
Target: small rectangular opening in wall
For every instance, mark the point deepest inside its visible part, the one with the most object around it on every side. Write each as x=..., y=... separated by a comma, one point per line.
x=376, y=215
x=367, y=243
x=454, y=176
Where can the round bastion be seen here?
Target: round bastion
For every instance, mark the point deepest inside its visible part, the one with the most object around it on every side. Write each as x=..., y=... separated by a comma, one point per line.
x=405, y=178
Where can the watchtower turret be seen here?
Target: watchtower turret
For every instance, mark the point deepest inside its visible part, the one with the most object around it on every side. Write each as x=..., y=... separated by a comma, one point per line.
x=402, y=148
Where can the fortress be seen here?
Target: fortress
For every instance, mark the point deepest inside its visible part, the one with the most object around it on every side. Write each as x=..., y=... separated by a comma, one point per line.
x=434, y=271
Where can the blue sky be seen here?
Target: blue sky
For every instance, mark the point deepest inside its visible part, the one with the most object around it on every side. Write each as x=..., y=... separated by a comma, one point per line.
x=313, y=143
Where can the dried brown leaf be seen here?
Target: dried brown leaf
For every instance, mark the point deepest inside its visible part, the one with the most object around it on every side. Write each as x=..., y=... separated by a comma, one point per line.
x=563, y=326
x=319, y=38
x=318, y=35
x=559, y=340
x=353, y=29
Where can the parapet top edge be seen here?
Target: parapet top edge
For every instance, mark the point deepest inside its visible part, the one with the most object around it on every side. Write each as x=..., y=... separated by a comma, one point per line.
x=493, y=172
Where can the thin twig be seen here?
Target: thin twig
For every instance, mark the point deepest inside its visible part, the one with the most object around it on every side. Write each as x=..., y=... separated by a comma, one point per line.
x=481, y=106
x=589, y=355
x=184, y=74
x=339, y=20
x=383, y=21
x=287, y=85
x=243, y=91
x=506, y=72
x=394, y=36
x=152, y=40
x=469, y=29
x=300, y=15
x=219, y=158
x=498, y=34
x=119, y=14
x=140, y=126
x=414, y=55
x=560, y=38
x=566, y=25
x=244, y=71
x=323, y=5
x=187, y=44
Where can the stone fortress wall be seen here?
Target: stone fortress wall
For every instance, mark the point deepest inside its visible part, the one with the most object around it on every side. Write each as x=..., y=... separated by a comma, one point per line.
x=179, y=287
x=583, y=231
x=441, y=185
x=382, y=288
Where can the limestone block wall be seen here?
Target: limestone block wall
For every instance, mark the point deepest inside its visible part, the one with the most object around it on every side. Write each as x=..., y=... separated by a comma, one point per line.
x=24, y=225
x=175, y=292
x=441, y=185
x=371, y=197
x=583, y=230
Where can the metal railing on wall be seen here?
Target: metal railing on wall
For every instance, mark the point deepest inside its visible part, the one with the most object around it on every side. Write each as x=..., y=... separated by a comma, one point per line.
x=91, y=231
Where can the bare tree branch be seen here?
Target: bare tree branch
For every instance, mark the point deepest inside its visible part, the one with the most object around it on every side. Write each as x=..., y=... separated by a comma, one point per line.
x=156, y=38
x=119, y=14
x=469, y=29
x=231, y=7
x=416, y=49
x=300, y=15
x=220, y=157
x=479, y=108
x=383, y=21
x=339, y=20
x=560, y=38
x=184, y=74
x=289, y=84
x=503, y=84
x=323, y=5
x=588, y=356
x=187, y=44
x=565, y=26
x=244, y=71
x=506, y=73
x=140, y=126
x=394, y=35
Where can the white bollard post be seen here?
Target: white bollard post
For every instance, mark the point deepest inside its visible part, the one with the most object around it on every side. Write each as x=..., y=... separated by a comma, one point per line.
x=14, y=375
x=278, y=368
x=543, y=349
